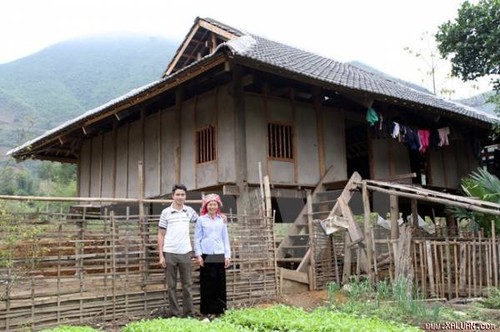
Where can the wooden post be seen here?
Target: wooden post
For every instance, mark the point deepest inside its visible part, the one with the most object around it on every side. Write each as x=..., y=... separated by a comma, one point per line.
x=312, y=260
x=494, y=251
x=403, y=261
x=347, y=259
x=368, y=232
x=114, y=233
x=430, y=268
x=267, y=193
x=394, y=224
x=414, y=212
x=142, y=220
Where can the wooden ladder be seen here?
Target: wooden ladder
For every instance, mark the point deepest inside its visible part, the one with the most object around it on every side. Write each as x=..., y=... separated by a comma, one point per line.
x=294, y=252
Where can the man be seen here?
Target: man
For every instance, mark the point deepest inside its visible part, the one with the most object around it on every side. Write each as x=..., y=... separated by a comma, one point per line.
x=174, y=247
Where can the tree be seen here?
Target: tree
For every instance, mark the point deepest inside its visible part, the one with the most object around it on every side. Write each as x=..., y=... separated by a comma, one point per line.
x=471, y=43
x=434, y=69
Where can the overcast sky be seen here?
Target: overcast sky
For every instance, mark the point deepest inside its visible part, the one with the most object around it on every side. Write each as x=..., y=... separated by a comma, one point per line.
x=374, y=32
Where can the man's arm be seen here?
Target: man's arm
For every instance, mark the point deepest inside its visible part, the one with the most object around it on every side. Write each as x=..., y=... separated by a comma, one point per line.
x=161, y=239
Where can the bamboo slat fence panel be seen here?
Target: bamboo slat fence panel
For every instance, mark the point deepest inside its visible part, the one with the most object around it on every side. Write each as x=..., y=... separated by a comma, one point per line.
x=450, y=267
x=79, y=268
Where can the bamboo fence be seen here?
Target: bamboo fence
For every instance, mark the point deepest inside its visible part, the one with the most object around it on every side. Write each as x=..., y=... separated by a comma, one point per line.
x=82, y=268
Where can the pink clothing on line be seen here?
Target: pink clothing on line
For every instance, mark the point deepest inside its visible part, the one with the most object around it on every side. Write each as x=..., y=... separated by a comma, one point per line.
x=423, y=136
x=443, y=136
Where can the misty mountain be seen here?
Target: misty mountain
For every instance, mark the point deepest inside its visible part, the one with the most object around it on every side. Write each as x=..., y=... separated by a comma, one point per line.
x=62, y=81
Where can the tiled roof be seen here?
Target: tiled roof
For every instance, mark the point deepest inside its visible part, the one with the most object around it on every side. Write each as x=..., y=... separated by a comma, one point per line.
x=291, y=59
x=330, y=71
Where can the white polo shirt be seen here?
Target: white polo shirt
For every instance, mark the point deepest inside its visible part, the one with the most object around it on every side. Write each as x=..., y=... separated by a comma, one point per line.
x=176, y=224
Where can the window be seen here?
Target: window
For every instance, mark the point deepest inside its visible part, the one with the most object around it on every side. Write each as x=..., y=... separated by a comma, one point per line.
x=205, y=145
x=280, y=139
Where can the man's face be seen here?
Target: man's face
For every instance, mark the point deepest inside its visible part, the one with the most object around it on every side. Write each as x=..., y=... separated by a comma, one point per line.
x=179, y=196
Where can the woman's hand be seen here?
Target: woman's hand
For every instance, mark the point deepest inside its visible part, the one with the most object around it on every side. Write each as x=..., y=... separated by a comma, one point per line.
x=227, y=262
x=199, y=259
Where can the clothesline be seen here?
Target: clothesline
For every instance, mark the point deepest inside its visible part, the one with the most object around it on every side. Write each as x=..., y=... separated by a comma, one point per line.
x=415, y=139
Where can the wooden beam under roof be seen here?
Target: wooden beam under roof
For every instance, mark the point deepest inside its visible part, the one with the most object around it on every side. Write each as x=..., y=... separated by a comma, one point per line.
x=201, y=24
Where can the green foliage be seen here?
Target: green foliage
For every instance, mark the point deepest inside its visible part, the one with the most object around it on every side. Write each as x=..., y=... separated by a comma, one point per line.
x=484, y=186
x=277, y=318
x=387, y=301
x=493, y=299
x=20, y=240
x=181, y=325
x=472, y=40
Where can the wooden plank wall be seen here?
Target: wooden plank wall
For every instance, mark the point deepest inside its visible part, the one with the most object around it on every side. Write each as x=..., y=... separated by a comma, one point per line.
x=101, y=268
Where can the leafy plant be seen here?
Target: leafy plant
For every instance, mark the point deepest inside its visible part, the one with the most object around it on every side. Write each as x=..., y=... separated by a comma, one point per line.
x=484, y=186
x=493, y=300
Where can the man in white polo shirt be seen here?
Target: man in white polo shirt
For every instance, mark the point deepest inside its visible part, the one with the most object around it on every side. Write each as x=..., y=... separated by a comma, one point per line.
x=174, y=247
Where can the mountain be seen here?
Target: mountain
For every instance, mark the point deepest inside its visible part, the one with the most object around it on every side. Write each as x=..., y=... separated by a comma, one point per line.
x=60, y=82
x=480, y=102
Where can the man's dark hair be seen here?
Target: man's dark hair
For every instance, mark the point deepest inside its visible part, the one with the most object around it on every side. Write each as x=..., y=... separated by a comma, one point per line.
x=179, y=186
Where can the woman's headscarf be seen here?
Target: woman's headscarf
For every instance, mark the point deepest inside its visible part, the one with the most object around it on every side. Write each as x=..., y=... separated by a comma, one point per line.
x=207, y=199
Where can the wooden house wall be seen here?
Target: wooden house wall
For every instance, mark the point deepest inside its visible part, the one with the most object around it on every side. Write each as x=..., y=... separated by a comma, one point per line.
x=306, y=132
x=226, y=167
x=389, y=158
x=84, y=170
x=256, y=131
x=152, y=157
x=333, y=122
x=169, y=139
x=108, y=165
x=205, y=115
x=449, y=164
x=121, y=167
x=304, y=168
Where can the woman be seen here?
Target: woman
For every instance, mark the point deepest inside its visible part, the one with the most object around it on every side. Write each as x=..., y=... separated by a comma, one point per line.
x=213, y=254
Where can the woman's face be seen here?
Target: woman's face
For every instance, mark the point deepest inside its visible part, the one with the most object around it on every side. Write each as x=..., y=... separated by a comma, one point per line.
x=212, y=207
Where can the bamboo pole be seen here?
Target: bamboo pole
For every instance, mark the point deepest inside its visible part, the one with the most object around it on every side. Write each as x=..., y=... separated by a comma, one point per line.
x=430, y=269
x=391, y=259
x=113, y=262
x=474, y=268
x=368, y=232
x=480, y=262
x=374, y=254
x=470, y=205
x=441, y=264
x=455, y=254
x=494, y=257
x=448, y=266
x=394, y=207
x=312, y=260
x=423, y=271
x=469, y=269
x=347, y=259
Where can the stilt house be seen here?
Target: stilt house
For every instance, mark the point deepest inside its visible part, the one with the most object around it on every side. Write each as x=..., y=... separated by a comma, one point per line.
x=230, y=100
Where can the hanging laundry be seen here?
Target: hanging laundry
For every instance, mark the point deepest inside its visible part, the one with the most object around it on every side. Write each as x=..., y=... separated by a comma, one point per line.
x=395, y=130
x=412, y=140
x=443, y=136
x=371, y=116
x=423, y=135
x=434, y=139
